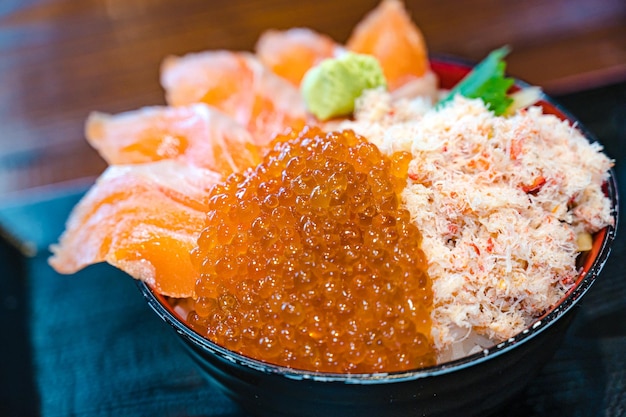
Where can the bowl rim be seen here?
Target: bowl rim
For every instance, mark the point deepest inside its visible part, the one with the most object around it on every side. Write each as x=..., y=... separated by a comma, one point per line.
x=570, y=299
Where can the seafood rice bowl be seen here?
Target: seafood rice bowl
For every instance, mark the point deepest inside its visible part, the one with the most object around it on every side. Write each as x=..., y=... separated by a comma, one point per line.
x=319, y=214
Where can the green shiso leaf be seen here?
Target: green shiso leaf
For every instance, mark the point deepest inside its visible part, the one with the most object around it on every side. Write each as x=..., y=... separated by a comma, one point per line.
x=487, y=82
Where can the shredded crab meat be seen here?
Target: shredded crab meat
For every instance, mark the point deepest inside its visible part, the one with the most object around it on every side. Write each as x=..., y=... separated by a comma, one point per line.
x=500, y=202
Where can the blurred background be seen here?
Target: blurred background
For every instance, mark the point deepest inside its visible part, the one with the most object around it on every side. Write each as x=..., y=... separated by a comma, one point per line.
x=61, y=59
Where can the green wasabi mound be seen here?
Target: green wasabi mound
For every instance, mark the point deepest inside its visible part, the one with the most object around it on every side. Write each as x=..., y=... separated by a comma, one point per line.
x=331, y=88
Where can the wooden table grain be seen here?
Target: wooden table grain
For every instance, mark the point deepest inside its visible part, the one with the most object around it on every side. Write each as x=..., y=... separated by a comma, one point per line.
x=61, y=59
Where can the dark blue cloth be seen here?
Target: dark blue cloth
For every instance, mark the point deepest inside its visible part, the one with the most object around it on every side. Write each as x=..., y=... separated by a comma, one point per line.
x=99, y=351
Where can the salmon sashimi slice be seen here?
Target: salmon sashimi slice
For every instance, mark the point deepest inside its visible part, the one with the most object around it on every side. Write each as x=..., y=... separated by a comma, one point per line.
x=197, y=133
x=389, y=34
x=240, y=86
x=143, y=219
x=291, y=53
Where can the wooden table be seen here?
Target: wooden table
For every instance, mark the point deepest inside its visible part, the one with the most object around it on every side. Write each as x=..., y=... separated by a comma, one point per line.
x=61, y=59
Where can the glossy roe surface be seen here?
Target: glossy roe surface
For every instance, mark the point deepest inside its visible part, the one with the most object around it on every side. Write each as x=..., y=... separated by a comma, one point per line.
x=310, y=262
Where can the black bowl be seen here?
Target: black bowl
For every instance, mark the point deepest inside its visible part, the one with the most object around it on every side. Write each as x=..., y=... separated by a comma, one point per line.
x=474, y=385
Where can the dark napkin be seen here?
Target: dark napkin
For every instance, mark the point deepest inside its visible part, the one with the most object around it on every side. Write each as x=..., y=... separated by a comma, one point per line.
x=99, y=351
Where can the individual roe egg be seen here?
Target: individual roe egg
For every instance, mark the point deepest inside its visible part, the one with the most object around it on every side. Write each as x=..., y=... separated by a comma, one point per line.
x=309, y=260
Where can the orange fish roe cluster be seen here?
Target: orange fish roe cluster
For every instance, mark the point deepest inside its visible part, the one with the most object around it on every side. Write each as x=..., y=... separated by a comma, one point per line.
x=309, y=261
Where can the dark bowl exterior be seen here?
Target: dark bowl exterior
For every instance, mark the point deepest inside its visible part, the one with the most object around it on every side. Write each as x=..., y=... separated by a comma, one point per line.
x=469, y=388
x=476, y=385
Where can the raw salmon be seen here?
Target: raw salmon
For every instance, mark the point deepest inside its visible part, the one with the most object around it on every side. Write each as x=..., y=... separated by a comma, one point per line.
x=143, y=219
x=291, y=53
x=240, y=86
x=198, y=134
x=389, y=34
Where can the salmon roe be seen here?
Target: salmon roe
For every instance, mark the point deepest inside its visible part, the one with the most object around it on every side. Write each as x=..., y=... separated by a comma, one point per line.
x=309, y=261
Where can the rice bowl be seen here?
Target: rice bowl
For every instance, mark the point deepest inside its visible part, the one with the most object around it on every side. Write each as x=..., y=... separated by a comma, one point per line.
x=476, y=384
